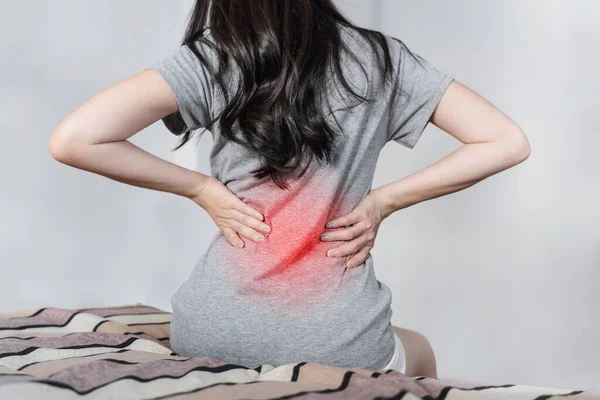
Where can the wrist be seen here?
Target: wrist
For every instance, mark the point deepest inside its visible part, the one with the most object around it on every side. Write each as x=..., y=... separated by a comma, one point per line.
x=198, y=187
x=386, y=203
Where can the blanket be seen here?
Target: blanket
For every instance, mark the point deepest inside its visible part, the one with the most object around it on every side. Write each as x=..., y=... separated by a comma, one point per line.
x=124, y=352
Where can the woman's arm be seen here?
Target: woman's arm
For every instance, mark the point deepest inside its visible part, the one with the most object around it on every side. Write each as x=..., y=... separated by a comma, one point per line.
x=94, y=138
x=493, y=143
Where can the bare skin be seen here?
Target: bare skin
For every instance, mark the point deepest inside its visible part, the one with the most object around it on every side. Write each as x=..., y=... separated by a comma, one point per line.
x=420, y=359
x=94, y=138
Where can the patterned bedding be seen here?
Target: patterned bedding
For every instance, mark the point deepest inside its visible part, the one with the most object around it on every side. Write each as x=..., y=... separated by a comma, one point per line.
x=124, y=353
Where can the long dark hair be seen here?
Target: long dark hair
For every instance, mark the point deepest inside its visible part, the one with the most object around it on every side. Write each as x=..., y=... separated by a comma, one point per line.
x=285, y=50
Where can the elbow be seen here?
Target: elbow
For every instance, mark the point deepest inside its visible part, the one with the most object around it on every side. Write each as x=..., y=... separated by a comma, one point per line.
x=523, y=148
x=60, y=147
x=518, y=147
x=56, y=147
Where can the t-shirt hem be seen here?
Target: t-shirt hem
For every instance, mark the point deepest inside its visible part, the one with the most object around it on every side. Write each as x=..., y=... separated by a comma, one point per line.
x=381, y=364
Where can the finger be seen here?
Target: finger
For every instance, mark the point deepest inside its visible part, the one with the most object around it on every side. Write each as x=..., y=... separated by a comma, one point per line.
x=252, y=222
x=347, y=248
x=344, y=234
x=346, y=220
x=246, y=231
x=358, y=258
x=233, y=238
x=247, y=209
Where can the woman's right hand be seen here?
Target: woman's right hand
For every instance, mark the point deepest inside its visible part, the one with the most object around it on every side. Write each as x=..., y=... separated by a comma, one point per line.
x=230, y=213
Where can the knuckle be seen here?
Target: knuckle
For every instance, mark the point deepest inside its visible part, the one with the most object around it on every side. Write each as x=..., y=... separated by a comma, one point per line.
x=353, y=232
x=251, y=233
x=340, y=235
x=346, y=235
x=226, y=203
x=343, y=251
x=247, y=220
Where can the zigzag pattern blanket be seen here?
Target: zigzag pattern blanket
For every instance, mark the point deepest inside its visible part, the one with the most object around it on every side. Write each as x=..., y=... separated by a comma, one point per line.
x=124, y=352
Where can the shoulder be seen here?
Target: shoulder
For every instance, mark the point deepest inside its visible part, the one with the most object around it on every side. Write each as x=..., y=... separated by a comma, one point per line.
x=203, y=44
x=357, y=41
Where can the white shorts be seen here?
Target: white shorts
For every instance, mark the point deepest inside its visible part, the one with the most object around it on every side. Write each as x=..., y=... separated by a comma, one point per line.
x=398, y=361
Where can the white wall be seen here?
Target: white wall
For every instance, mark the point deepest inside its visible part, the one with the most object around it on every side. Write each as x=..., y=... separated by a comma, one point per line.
x=501, y=277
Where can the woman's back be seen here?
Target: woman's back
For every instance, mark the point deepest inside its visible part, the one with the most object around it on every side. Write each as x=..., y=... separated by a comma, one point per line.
x=284, y=300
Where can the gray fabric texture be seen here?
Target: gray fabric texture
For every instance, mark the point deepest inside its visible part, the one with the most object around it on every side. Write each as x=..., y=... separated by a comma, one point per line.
x=284, y=300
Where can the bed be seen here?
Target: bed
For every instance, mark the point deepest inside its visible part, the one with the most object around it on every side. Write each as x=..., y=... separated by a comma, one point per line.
x=123, y=352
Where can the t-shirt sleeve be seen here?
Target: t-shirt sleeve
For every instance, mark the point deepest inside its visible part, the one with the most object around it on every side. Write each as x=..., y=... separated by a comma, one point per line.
x=418, y=90
x=191, y=81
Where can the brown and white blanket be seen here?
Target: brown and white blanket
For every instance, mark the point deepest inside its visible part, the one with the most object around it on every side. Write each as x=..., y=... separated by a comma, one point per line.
x=124, y=353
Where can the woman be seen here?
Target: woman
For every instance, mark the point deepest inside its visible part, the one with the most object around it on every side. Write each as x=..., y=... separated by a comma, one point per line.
x=299, y=103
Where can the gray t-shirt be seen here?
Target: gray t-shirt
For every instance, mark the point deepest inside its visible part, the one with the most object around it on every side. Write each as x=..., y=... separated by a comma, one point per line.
x=283, y=300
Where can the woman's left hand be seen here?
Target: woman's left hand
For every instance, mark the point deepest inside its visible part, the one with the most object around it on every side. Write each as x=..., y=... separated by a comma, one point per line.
x=361, y=226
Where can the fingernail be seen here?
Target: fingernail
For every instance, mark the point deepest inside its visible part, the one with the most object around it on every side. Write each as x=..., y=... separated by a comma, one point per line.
x=266, y=229
x=324, y=237
x=331, y=254
x=240, y=244
x=328, y=225
x=261, y=238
